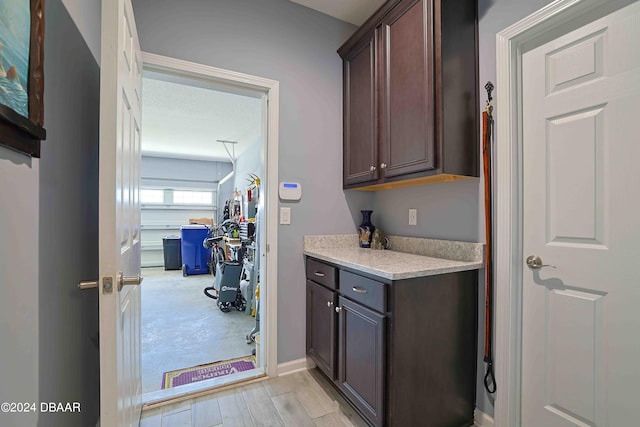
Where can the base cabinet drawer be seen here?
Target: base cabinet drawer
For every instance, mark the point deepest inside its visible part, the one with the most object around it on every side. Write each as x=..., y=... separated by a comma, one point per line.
x=322, y=273
x=365, y=291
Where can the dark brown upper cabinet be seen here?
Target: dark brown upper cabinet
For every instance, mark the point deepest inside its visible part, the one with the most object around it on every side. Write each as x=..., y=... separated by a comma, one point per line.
x=410, y=95
x=361, y=112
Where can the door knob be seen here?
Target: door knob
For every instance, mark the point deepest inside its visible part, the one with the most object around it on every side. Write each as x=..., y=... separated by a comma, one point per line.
x=534, y=262
x=134, y=280
x=338, y=309
x=329, y=303
x=383, y=165
x=372, y=168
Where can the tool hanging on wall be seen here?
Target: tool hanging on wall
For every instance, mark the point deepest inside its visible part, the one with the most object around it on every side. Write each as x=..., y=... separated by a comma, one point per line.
x=487, y=138
x=253, y=190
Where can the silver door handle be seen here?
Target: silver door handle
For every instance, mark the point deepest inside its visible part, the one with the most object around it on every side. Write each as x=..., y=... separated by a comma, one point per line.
x=372, y=168
x=338, y=309
x=383, y=165
x=134, y=280
x=329, y=303
x=359, y=290
x=534, y=262
x=317, y=273
x=87, y=285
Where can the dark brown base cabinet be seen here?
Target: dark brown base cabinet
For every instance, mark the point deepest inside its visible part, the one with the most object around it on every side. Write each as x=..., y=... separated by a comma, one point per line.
x=402, y=352
x=321, y=328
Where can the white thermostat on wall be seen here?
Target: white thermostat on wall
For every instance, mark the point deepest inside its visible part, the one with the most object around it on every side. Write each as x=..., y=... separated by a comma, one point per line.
x=290, y=191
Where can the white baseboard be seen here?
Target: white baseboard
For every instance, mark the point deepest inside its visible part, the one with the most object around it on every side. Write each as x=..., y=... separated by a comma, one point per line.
x=295, y=366
x=481, y=419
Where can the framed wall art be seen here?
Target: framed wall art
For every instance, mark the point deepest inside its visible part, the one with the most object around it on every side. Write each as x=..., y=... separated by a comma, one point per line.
x=22, y=75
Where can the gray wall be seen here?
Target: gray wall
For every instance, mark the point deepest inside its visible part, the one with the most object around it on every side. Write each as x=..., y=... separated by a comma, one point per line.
x=251, y=161
x=48, y=224
x=86, y=14
x=283, y=41
x=19, y=325
x=162, y=171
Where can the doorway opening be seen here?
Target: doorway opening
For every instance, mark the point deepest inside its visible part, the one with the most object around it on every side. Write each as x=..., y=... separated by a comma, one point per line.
x=205, y=215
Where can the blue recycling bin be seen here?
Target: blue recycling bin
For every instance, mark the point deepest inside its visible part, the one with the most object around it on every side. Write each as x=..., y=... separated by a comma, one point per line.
x=195, y=257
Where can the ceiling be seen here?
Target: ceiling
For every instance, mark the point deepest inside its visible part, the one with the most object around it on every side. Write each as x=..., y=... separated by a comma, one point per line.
x=353, y=11
x=209, y=111
x=184, y=118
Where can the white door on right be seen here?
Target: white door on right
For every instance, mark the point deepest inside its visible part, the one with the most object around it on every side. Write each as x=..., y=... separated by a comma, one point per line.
x=581, y=215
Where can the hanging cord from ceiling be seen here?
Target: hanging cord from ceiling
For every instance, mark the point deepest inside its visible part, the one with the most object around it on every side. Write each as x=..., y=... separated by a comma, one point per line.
x=487, y=139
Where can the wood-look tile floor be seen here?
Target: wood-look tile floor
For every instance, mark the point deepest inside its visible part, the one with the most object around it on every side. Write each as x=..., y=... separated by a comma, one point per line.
x=296, y=400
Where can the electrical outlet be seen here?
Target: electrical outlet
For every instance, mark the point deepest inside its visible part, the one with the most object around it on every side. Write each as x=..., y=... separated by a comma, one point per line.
x=285, y=216
x=413, y=216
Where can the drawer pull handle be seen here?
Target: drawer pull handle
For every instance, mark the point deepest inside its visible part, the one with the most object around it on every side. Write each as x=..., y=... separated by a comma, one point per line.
x=358, y=290
x=317, y=273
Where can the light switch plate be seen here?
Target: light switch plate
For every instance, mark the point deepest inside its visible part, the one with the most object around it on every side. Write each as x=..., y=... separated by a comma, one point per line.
x=413, y=216
x=285, y=216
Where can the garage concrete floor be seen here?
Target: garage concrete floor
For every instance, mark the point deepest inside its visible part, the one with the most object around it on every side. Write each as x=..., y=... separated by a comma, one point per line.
x=181, y=327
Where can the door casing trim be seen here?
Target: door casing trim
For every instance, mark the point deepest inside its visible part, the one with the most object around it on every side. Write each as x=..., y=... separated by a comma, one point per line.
x=511, y=43
x=269, y=258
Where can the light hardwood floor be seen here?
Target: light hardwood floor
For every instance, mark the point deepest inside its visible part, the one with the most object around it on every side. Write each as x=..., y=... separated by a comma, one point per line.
x=296, y=400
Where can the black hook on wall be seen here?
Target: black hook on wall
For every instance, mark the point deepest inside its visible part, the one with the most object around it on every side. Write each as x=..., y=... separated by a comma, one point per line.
x=489, y=88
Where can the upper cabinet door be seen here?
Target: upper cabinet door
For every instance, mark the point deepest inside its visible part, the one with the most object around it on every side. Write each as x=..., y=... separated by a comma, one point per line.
x=360, y=113
x=407, y=96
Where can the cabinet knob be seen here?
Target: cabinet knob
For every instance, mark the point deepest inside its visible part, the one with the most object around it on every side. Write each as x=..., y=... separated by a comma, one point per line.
x=383, y=165
x=338, y=309
x=329, y=303
x=372, y=168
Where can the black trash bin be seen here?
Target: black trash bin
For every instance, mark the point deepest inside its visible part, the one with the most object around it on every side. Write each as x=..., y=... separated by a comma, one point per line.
x=172, y=256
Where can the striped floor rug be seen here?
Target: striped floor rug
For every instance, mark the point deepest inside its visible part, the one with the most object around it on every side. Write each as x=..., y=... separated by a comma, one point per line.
x=207, y=371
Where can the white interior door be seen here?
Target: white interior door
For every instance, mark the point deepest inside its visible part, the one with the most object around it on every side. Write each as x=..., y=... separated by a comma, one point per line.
x=581, y=198
x=120, y=112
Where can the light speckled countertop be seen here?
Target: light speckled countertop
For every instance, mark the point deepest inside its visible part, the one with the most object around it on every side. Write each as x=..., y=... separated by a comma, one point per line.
x=412, y=257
